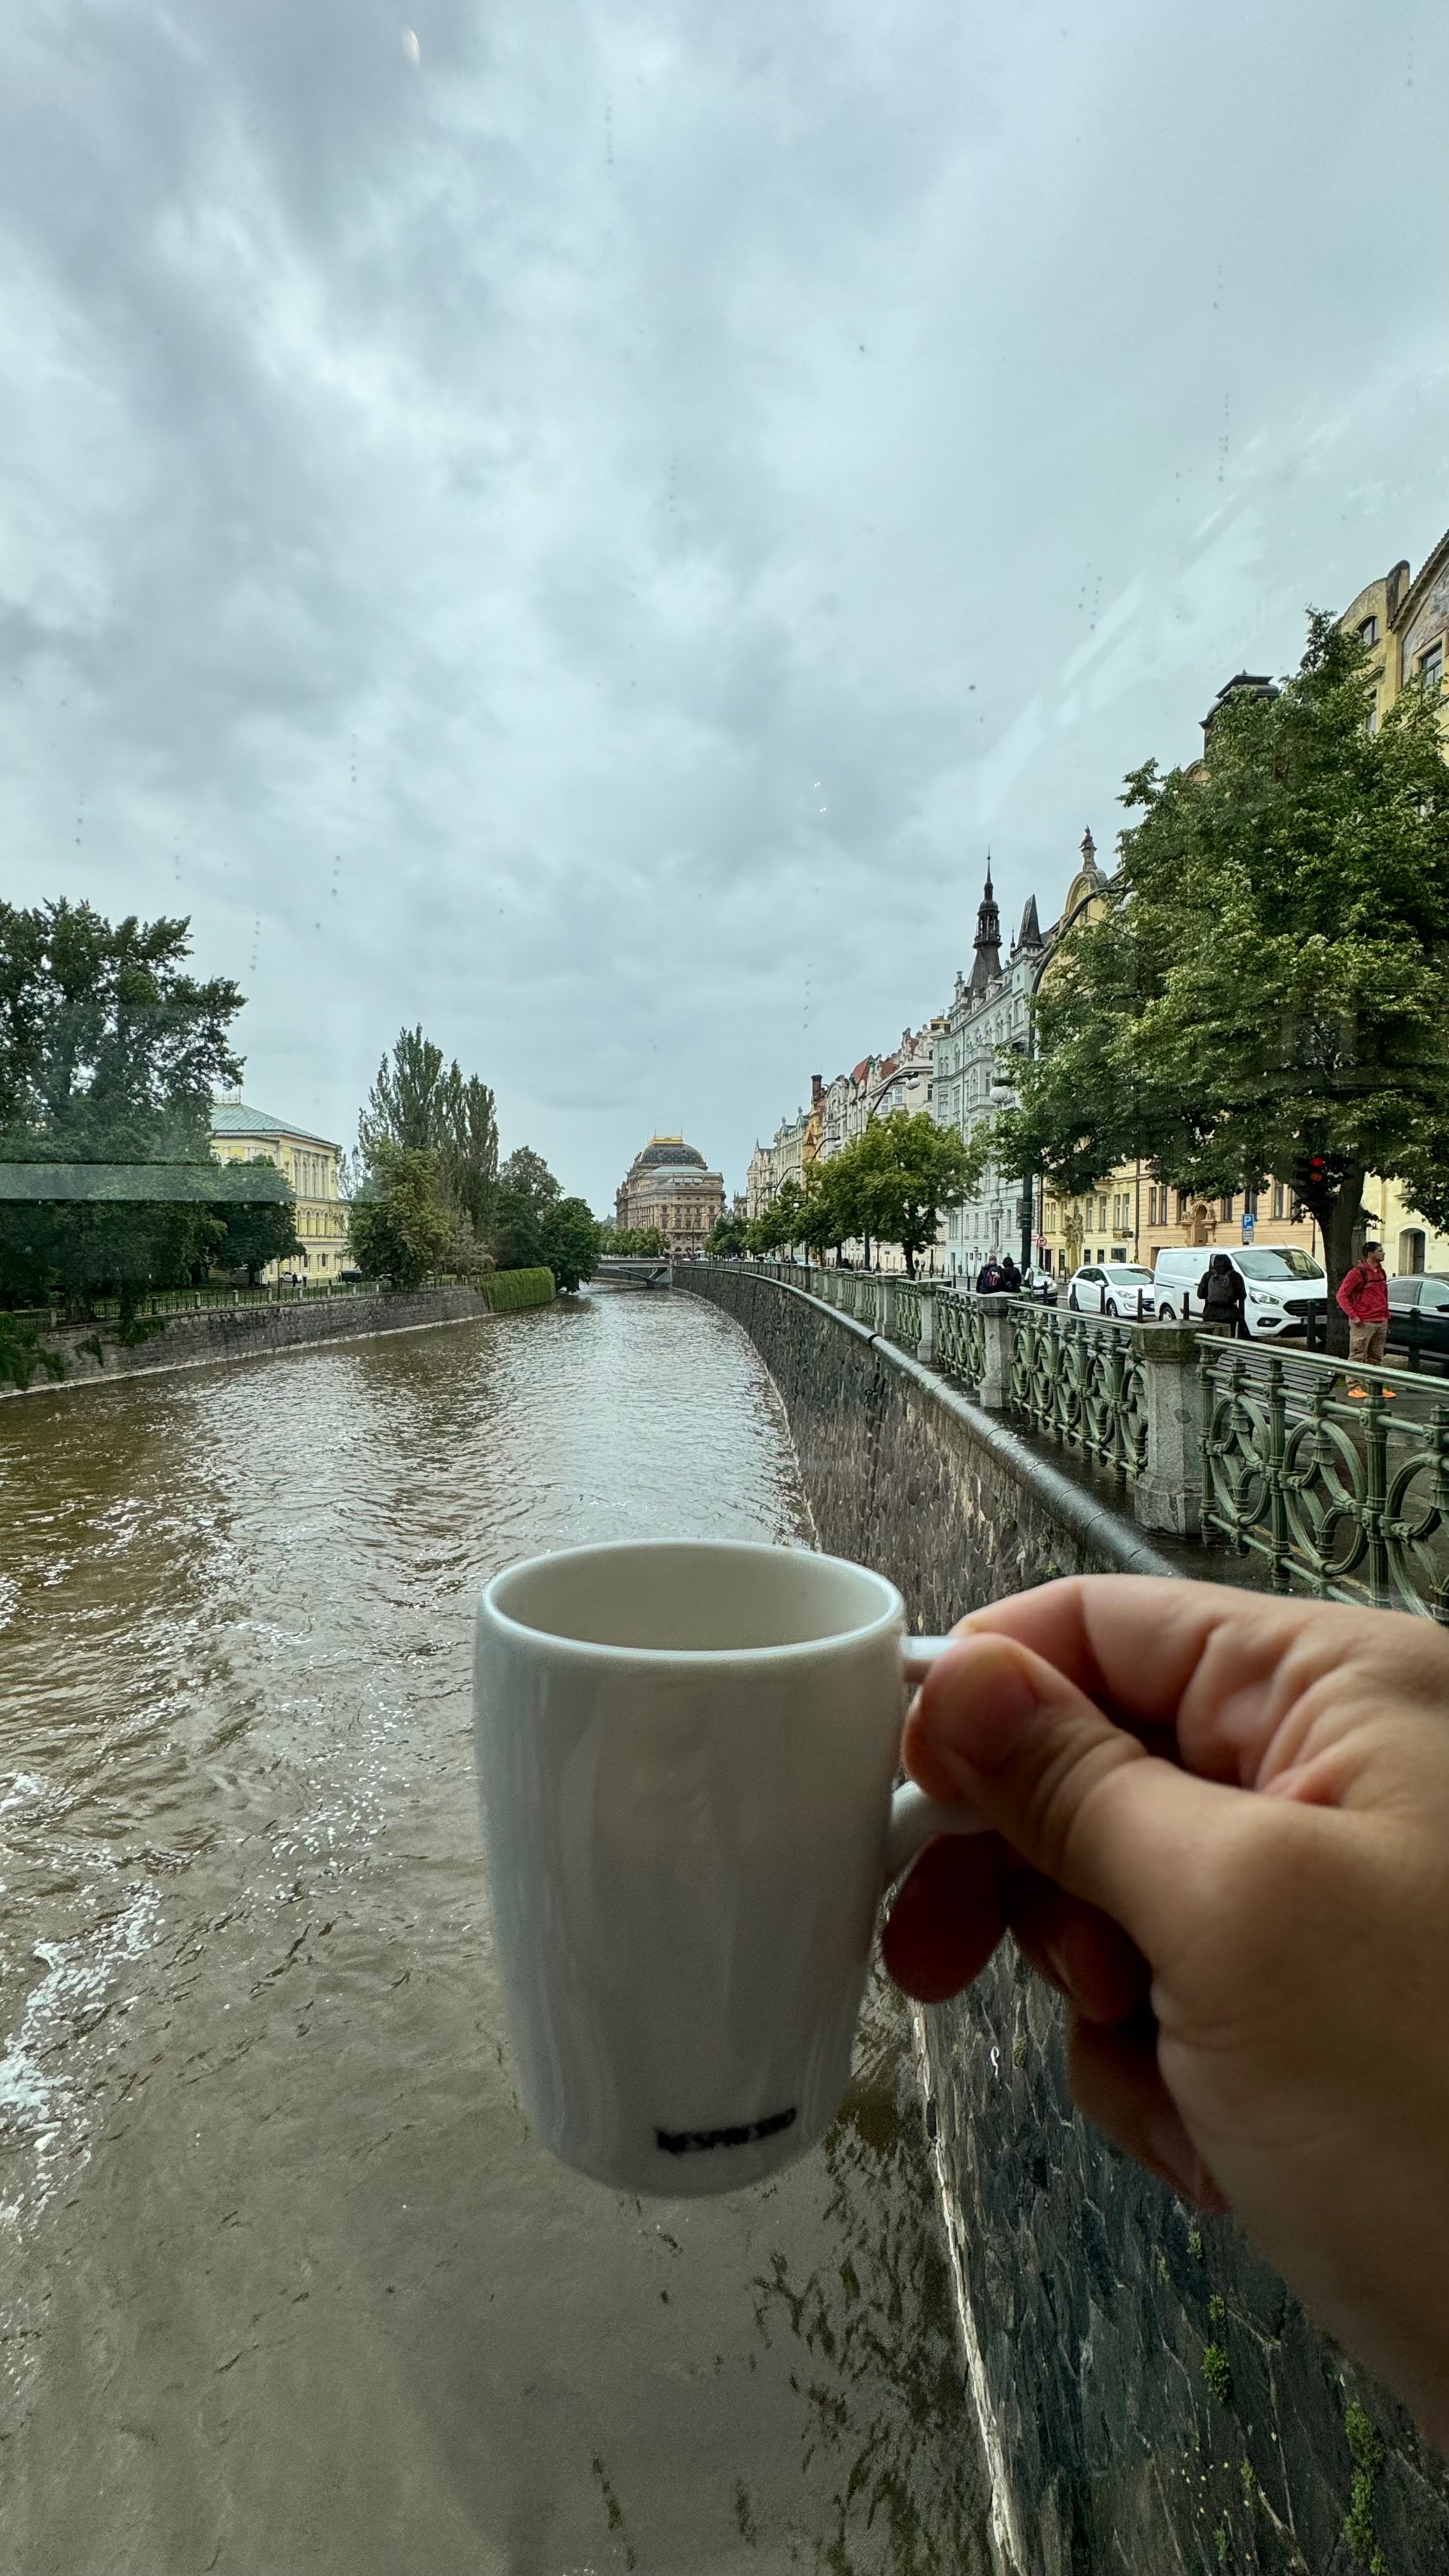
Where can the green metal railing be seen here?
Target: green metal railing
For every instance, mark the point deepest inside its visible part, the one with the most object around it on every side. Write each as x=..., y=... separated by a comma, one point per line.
x=1079, y=1379
x=960, y=1337
x=1336, y=1474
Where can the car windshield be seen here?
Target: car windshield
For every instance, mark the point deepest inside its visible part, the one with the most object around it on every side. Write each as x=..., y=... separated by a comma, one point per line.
x=1124, y=1274
x=1284, y=1262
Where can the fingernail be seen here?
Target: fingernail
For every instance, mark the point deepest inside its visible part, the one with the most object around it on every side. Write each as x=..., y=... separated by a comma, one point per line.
x=1176, y=2157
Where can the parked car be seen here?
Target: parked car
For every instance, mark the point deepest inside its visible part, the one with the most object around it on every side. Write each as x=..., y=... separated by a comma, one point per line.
x=1419, y=1314
x=1282, y=1287
x=1112, y=1288
x=1036, y=1282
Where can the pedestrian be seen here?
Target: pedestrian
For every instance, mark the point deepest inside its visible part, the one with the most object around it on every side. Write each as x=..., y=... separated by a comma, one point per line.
x=1223, y=1297
x=1218, y=1824
x=1364, y=1297
x=1010, y=1277
x=988, y=1277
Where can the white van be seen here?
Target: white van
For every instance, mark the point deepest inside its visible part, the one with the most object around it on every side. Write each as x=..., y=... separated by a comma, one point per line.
x=1280, y=1283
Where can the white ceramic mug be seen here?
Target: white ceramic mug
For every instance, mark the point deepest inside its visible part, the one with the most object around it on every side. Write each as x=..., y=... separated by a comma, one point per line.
x=685, y=1758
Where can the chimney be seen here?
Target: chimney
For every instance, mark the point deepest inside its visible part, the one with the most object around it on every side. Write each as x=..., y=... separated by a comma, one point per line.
x=817, y=1090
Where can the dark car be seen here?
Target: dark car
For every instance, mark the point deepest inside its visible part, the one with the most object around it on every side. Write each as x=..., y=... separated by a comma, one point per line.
x=1419, y=1315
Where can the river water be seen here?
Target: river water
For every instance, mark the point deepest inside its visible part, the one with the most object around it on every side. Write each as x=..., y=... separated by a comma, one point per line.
x=285, y=2283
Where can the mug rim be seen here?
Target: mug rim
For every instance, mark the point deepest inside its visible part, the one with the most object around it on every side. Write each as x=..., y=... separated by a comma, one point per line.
x=890, y=1616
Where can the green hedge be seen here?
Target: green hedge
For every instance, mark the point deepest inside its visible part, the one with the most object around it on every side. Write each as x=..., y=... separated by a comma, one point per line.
x=507, y=1290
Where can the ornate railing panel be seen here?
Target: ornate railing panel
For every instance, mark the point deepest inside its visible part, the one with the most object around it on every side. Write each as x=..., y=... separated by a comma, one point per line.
x=960, y=1337
x=1080, y=1380
x=1338, y=1475
x=907, y=1327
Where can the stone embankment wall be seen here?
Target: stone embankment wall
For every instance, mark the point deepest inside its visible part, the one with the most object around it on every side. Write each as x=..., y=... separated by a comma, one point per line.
x=1151, y=2398
x=250, y=1332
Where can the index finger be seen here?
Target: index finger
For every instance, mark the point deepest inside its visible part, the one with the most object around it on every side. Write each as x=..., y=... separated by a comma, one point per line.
x=1222, y=1667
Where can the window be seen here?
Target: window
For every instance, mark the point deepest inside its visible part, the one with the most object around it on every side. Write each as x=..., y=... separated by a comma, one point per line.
x=1250, y=1203
x=1278, y=1195
x=1368, y=632
x=1101, y=1214
x=1227, y=1207
x=1431, y=667
x=1184, y=1204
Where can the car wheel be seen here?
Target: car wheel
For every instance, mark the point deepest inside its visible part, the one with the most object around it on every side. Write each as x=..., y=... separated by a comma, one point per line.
x=1072, y=1301
x=1165, y=1315
x=1112, y=1308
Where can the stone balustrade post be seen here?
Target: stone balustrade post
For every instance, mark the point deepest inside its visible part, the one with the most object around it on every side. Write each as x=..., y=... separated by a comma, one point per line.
x=994, y=1392
x=1167, y=1495
x=926, y=1346
x=885, y=1322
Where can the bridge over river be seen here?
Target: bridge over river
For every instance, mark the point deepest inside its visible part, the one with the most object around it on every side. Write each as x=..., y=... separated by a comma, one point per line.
x=287, y=2284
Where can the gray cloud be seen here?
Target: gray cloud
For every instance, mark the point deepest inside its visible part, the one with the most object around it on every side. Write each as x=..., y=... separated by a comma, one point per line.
x=582, y=537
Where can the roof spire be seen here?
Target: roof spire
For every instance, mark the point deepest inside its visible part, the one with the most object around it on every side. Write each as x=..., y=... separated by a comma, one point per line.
x=987, y=966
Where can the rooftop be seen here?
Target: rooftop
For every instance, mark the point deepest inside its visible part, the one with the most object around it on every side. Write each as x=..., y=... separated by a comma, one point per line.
x=234, y=1118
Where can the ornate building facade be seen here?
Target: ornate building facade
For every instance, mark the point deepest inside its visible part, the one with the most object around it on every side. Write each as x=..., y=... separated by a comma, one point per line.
x=670, y=1185
x=242, y=1135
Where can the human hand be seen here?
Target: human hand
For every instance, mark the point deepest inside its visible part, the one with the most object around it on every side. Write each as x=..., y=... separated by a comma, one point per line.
x=1221, y=1831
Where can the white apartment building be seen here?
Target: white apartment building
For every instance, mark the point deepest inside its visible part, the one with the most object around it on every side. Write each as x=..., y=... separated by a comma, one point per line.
x=989, y=1019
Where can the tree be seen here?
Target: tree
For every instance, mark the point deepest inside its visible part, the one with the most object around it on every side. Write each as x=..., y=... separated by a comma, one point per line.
x=904, y=1170
x=570, y=1239
x=257, y=1231
x=780, y=1222
x=424, y=1105
x=631, y=1238
x=525, y=1193
x=109, y=1055
x=727, y=1238
x=400, y=1230
x=1266, y=992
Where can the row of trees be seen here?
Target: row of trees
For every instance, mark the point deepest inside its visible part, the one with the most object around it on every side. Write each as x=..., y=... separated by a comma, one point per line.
x=109, y=1056
x=111, y=1053
x=428, y=1192
x=890, y=1184
x=1265, y=995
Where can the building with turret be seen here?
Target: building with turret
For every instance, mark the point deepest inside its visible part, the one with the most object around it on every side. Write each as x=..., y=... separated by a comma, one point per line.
x=989, y=1021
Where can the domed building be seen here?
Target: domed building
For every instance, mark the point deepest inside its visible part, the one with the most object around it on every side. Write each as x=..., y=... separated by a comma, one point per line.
x=670, y=1185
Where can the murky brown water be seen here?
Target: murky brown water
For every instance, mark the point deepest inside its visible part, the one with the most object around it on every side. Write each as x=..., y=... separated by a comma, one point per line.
x=286, y=2283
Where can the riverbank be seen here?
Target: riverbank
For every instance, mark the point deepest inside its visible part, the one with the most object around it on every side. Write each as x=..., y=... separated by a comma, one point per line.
x=94, y=1354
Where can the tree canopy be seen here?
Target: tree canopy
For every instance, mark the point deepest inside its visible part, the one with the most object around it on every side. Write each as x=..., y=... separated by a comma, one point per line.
x=400, y=1230
x=421, y=1104
x=110, y=1053
x=1266, y=992
x=888, y=1185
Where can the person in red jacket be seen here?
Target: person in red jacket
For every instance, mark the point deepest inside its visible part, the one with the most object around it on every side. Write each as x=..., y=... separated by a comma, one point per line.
x=1363, y=1296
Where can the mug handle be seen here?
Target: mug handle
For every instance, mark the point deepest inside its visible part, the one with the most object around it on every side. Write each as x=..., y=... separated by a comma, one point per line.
x=915, y=1819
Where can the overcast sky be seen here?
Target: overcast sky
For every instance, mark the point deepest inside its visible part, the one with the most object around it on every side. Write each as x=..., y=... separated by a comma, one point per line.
x=579, y=524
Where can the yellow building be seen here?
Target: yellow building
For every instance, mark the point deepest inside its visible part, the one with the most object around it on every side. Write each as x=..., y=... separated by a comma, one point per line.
x=309, y=1163
x=1404, y=623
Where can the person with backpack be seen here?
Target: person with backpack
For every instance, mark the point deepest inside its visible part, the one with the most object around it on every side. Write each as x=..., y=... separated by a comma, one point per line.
x=988, y=1277
x=1223, y=1298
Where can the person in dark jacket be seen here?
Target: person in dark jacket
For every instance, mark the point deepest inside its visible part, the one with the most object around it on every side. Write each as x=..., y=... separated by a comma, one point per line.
x=1224, y=1298
x=1010, y=1277
x=988, y=1277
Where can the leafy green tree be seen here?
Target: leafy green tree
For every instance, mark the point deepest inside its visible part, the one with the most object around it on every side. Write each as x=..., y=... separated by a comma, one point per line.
x=727, y=1238
x=780, y=1223
x=255, y=1234
x=400, y=1231
x=109, y=1054
x=425, y=1105
x=1266, y=993
x=526, y=1192
x=631, y=1238
x=570, y=1242
x=899, y=1175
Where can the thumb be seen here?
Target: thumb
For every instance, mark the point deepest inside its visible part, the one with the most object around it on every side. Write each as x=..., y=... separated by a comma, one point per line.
x=1077, y=1797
